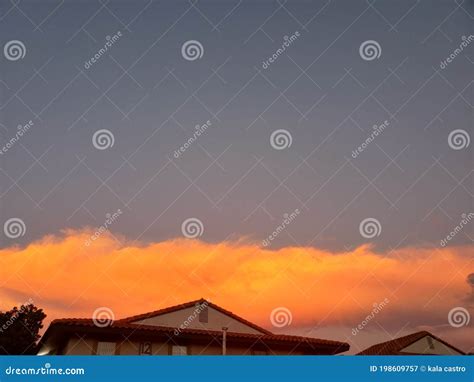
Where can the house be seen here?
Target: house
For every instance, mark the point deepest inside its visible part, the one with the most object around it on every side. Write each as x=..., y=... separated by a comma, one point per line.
x=419, y=343
x=194, y=328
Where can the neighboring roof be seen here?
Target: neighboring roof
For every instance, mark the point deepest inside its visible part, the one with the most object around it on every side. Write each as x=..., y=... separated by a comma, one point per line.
x=332, y=347
x=395, y=346
x=191, y=304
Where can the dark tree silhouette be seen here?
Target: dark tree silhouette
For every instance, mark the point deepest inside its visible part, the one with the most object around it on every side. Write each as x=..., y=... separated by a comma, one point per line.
x=19, y=329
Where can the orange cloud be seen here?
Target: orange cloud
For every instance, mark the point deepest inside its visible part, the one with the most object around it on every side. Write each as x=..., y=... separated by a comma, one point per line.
x=320, y=288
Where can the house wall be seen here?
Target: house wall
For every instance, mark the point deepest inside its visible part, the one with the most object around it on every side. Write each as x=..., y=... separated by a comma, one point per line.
x=234, y=350
x=133, y=348
x=423, y=347
x=79, y=346
x=189, y=319
x=76, y=346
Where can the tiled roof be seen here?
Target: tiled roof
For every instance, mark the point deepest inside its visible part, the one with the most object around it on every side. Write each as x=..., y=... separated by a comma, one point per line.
x=334, y=346
x=192, y=304
x=394, y=347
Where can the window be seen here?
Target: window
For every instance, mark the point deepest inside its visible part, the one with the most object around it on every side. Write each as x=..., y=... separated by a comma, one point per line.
x=145, y=348
x=203, y=314
x=105, y=348
x=179, y=350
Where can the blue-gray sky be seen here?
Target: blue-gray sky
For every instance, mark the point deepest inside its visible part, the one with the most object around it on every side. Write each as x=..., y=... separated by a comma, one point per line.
x=319, y=89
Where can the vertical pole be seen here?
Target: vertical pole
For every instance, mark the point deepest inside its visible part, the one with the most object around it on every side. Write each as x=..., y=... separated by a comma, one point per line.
x=224, y=340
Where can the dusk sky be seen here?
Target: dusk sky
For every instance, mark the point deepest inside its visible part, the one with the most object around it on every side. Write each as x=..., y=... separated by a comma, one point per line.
x=288, y=196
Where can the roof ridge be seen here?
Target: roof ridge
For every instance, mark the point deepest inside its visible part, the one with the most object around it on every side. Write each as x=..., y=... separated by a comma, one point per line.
x=384, y=347
x=396, y=345
x=189, y=304
x=161, y=311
